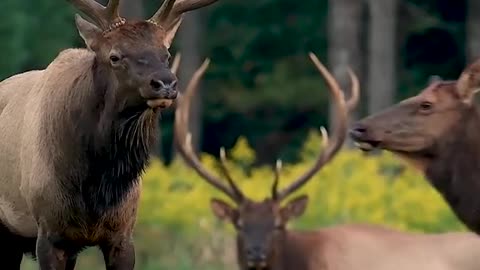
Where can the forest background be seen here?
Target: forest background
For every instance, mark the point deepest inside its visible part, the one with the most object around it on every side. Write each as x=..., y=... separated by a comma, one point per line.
x=262, y=97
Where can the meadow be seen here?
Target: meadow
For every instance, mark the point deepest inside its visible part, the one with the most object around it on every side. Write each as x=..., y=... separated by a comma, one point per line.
x=177, y=231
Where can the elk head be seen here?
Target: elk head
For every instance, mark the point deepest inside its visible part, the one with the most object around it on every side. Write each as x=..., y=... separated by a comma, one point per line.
x=261, y=225
x=134, y=55
x=415, y=127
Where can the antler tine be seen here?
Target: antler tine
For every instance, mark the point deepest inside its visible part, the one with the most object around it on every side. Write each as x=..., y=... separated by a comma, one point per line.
x=102, y=16
x=278, y=169
x=169, y=16
x=112, y=10
x=340, y=131
x=183, y=138
x=353, y=100
x=176, y=63
x=161, y=16
x=188, y=5
x=226, y=173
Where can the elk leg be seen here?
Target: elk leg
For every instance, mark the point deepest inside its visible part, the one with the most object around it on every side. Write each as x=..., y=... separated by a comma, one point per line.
x=71, y=261
x=11, y=250
x=10, y=257
x=49, y=255
x=120, y=255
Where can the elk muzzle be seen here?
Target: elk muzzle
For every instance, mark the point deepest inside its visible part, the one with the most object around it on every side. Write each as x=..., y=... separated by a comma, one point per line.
x=256, y=258
x=363, y=137
x=161, y=91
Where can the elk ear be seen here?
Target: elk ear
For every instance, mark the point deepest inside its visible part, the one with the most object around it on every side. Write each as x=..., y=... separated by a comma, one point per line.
x=223, y=210
x=294, y=208
x=171, y=31
x=88, y=31
x=469, y=82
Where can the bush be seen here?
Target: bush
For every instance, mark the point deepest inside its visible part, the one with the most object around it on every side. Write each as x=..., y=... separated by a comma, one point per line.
x=176, y=229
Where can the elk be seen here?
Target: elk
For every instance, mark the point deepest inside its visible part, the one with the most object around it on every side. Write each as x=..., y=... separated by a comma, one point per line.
x=76, y=136
x=437, y=132
x=265, y=243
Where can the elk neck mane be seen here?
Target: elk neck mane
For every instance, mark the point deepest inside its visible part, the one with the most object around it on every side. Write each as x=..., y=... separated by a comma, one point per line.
x=108, y=142
x=455, y=171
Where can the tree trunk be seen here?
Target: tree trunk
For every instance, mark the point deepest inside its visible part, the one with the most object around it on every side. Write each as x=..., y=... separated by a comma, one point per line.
x=381, y=54
x=473, y=30
x=344, y=47
x=189, y=37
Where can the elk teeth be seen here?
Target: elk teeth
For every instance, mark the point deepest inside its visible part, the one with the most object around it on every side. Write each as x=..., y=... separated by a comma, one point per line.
x=364, y=146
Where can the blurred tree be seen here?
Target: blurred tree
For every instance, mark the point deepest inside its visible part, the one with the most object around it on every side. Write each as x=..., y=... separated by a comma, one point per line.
x=473, y=30
x=132, y=9
x=344, y=37
x=382, y=81
x=189, y=40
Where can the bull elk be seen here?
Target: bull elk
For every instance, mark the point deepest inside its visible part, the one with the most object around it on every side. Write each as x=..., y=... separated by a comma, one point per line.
x=76, y=136
x=265, y=243
x=438, y=132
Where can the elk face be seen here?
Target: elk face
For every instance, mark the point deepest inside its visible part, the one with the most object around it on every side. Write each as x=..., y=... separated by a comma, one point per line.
x=418, y=125
x=137, y=58
x=260, y=227
x=132, y=57
x=414, y=125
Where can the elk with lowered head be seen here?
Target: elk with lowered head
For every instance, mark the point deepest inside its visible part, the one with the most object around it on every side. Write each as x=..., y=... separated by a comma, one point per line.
x=265, y=243
x=76, y=136
x=438, y=132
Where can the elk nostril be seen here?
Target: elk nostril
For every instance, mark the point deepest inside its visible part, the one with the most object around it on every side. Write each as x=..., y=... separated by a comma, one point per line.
x=173, y=84
x=156, y=84
x=359, y=129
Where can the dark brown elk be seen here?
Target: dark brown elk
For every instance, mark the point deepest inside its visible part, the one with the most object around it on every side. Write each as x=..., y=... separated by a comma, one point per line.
x=438, y=131
x=265, y=243
x=76, y=136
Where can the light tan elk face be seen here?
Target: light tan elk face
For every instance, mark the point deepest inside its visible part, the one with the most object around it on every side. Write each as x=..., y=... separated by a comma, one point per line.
x=135, y=54
x=416, y=125
x=261, y=225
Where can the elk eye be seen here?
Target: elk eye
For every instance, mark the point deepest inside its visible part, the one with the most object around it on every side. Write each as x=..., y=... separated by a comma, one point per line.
x=114, y=58
x=426, y=106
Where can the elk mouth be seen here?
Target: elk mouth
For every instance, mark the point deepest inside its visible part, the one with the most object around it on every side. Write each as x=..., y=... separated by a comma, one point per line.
x=162, y=103
x=257, y=265
x=367, y=146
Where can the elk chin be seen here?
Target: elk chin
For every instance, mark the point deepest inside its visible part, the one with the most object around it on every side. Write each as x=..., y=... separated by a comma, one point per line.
x=257, y=266
x=159, y=103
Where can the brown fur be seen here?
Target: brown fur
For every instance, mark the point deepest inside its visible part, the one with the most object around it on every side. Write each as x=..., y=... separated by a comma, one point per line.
x=341, y=247
x=441, y=139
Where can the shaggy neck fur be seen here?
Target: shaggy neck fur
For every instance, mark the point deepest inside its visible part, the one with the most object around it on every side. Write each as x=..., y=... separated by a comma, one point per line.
x=455, y=171
x=119, y=152
x=108, y=139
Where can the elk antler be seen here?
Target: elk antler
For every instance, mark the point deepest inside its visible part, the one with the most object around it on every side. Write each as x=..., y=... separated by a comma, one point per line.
x=353, y=100
x=176, y=63
x=277, y=171
x=330, y=148
x=183, y=141
x=104, y=17
x=171, y=11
